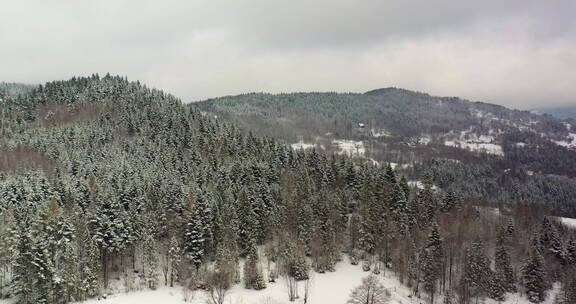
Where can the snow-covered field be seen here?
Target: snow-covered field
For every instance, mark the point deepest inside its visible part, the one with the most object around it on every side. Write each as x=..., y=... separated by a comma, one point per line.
x=569, y=222
x=332, y=287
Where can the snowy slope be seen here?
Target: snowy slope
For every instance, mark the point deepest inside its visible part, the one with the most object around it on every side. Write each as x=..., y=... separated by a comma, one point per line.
x=334, y=287
x=569, y=222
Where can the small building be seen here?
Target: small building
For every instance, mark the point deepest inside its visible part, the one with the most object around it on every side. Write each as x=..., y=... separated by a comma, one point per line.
x=361, y=125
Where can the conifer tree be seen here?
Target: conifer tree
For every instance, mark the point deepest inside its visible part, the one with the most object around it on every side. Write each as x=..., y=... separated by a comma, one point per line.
x=477, y=277
x=431, y=261
x=150, y=260
x=534, y=278
x=174, y=258
x=504, y=272
x=198, y=231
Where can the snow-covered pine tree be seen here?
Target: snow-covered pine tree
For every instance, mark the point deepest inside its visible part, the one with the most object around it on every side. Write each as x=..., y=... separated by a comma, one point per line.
x=399, y=209
x=431, y=261
x=503, y=266
x=150, y=260
x=477, y=277
x=174, y=258
x=197, y=239
x=571, y=252
x=534, y=278
x=253, y=277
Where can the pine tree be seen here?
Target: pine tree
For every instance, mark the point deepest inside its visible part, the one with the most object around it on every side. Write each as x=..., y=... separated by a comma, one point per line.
x=24, y=272
x=450, y=202
x=198, y=231
x=477, y=277
x=90, y=285
x=399, y=209
x=70, y=285
x=253, y=277
x=571, y=252
x=504, y=271
x=150, y=271
x=567, y=294
x=174, y=257
x=431, y=261
x=534, y=278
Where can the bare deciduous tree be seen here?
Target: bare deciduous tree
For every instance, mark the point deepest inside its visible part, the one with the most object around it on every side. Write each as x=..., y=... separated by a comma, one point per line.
x=370, y=292
x=219, y=283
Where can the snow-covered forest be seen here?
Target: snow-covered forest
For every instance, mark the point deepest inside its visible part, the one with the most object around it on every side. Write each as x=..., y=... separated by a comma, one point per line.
x=107, y=186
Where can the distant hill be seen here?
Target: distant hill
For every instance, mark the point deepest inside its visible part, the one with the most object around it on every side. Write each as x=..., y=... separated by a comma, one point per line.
x=405, y=127
x=470, y=146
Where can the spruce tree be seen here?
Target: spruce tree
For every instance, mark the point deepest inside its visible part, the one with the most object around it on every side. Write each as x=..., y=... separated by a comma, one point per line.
x=431, y=261
x=534, y=278
x=197, y=238
x=503, y=265
x=174, y=258
x=477, y=277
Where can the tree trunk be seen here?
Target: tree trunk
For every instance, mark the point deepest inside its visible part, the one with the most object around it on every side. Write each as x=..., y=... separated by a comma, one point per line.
x=105, y=266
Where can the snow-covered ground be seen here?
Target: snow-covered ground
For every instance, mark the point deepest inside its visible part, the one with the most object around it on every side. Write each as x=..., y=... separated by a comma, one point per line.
x=516, y=298
x=419, y=185
x=401, y=166
x=568, y=222
x=332, y=287
x=350, y=147
x=571, y=142
x=473, y=142
x=302, y=145
x=380, y=133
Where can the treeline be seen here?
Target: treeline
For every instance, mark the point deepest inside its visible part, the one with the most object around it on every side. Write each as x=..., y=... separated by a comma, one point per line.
x=145, y=191
x=532, y=169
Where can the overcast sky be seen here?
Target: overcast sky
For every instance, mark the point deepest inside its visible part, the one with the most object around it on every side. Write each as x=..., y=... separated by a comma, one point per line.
x=519, y=53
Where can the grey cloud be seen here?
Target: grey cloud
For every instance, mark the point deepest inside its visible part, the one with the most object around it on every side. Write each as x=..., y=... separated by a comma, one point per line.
x=517, y=53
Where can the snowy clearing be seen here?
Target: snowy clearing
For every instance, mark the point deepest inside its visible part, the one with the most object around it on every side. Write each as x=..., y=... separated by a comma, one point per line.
x=332, y=287
x=473, y=142
x=568, y=222
x=419, y=185
x=302, y=145
x=476, y=146
x=350, y=147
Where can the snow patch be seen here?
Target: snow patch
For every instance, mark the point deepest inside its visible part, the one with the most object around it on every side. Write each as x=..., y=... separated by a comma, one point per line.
x=419, y=185
x=350, y=147
x=570, y=143
x=488, y=148
x=302, y=145
x=380, y=133
x=568, y=222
